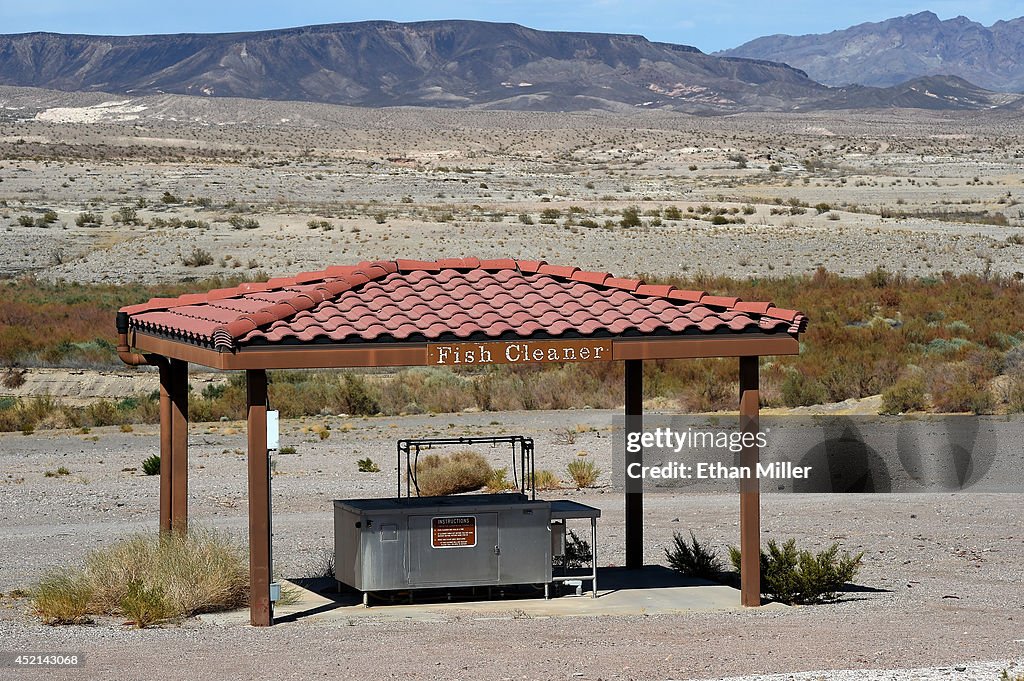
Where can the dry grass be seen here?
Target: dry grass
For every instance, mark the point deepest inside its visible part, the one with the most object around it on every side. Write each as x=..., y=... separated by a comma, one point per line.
x=63, y=597
x=498, y=481
x=150, y=579
x=202, y=571
x=583, y=471
x=546, y=480
x=465, y=471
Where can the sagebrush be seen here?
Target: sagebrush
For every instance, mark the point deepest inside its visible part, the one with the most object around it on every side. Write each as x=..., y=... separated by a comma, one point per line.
x=692, y=558
x=793, y=576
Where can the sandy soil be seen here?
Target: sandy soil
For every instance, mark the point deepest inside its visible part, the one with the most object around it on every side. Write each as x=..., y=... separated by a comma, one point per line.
x=941, y=583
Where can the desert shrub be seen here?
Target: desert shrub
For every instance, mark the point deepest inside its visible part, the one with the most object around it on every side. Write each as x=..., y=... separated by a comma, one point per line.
x=367, y=466
x=630, y=217
x=1015, y=395
x=546, y=480
x=197, y=258
x=151, y=465
x=794, y=576
x=168, y=198
x=1005, y=676
x=127, y=215
x=195, y=572
x=88, y=220
x=577, y=551
x=145, y=605
x=356, y=396
x=583, y=471
x=800, y=390
x=907, y=394
x=26, y=220
x=673, y=213
x=498, y=481
x=692, y=558
x=438, y=475
x=956, y=388
x=525, y=218
x=13, y=378
x=63, y=597
x=238, y=222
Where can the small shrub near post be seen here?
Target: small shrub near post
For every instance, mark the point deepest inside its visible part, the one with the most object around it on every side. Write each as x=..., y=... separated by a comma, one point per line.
x=151, y=465
x=583, y=472
x=692, y=558
x=794, y=577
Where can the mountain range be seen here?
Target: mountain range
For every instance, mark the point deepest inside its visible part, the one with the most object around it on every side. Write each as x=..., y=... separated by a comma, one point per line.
x=890, y=52
x=456, y=64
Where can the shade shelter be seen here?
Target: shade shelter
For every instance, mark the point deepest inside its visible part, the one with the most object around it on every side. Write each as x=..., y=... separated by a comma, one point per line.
x=452, y=312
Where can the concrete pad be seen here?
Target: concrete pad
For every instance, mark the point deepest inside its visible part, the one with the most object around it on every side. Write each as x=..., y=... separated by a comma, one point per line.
x=654, y=590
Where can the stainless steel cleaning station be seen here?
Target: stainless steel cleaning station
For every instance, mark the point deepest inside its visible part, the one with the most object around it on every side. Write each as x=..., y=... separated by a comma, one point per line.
x=470, y=540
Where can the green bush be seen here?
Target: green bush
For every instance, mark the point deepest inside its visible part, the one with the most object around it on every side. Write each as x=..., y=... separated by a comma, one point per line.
x=367, y=466
x=151, y=465
x=794, y=576
x=692, y=558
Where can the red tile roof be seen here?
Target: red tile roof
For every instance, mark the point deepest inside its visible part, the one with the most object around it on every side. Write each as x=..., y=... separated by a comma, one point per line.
x=450, y=299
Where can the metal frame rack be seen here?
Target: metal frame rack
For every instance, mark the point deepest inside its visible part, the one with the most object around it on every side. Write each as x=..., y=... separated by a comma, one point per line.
x=411, y=450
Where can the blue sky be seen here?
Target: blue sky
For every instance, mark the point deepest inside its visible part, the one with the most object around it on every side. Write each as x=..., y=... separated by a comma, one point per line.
x=710, y=24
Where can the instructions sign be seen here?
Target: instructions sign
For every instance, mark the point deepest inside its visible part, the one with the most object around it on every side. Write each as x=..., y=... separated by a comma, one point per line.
x=453, y=531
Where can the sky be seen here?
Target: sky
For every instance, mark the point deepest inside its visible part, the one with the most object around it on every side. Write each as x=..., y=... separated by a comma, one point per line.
x=710, y=25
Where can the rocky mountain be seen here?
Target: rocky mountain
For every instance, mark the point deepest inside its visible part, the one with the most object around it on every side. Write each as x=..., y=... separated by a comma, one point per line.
x=456, y=64
x=891, y=52
x=436, y=63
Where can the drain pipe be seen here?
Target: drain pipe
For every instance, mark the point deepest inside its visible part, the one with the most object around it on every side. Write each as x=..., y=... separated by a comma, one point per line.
x=124, y=350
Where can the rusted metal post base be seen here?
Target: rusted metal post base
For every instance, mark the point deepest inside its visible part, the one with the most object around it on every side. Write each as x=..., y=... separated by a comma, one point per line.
x=261, y=612
x=750, y=492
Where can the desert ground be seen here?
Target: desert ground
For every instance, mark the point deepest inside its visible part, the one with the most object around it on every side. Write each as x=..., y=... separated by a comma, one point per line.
x=916, y=192
x=277, y=188
x=941, y=584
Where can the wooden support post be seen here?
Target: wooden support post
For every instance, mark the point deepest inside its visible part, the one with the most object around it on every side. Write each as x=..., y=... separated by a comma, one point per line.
x=261, y=612
x=634, y=370
x=750, y=492
x=178, y=464
x=166, y=451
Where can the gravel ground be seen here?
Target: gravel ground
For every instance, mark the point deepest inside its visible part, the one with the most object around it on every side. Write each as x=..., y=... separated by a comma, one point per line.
x=942, y=585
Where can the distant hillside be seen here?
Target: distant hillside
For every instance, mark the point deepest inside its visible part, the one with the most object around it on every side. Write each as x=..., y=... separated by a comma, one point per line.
x=437, y=63
x=897, y=50
x=455, y=64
